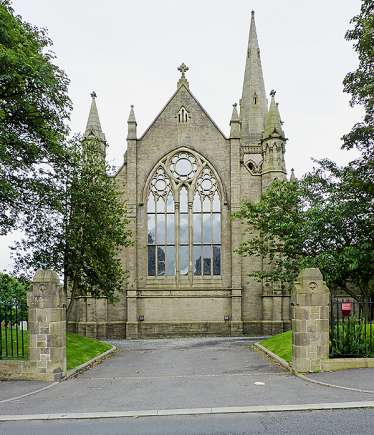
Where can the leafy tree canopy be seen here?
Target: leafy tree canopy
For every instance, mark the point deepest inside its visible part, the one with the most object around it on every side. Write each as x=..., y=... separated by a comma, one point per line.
x=12, y=289
x=82, y=241
x=34, y=110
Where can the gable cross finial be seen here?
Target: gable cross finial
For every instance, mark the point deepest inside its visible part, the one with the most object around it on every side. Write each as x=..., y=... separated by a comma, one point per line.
x=183, y=69
x=93, y=94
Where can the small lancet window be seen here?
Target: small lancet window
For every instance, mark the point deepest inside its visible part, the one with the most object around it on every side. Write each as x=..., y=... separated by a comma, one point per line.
x=183, y=116
x=255, y=98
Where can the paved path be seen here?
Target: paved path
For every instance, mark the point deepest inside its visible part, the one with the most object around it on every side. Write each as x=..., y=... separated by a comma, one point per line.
x=178, y=373
x=354, y=378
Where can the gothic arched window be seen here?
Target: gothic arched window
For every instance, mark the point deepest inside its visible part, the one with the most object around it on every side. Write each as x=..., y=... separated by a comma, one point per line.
x=184, y=218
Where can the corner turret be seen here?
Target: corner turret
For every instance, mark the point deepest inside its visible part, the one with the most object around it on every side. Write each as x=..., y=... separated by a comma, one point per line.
x=273, y=145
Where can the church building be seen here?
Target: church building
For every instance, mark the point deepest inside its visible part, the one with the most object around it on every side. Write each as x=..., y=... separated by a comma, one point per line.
x=182, y=180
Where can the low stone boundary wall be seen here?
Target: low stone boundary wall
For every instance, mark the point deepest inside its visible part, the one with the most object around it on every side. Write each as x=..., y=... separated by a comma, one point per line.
x=335, y=364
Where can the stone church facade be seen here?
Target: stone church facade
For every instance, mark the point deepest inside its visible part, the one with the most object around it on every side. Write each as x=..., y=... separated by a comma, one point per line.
x=182, y=179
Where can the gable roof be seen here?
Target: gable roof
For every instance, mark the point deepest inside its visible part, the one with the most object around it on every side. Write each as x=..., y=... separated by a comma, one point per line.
x=197, y=102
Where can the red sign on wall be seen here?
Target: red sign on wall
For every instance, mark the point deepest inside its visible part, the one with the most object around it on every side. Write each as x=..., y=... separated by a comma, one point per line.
x=346, y=308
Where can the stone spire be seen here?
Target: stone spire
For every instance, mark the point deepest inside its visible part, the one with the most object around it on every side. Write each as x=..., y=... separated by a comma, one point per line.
x=183, y=68
x=253, y=104
x=93, y=127
x=234, y=124
x=273, y=122
x=293, y=176
x=131, y=124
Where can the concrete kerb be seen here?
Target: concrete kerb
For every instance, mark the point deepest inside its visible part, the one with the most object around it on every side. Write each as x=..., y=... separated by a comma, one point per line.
x=190, y=411
x=288, y=366
x=87, y=365
x=273, y=356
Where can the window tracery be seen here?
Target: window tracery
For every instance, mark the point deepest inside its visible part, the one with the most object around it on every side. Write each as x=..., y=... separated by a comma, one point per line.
x=184, y=218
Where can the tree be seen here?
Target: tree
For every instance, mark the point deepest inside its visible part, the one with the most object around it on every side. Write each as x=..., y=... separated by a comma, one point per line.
x=82, y=240
x=320, y=221
x=34, y=110
x=13, y=290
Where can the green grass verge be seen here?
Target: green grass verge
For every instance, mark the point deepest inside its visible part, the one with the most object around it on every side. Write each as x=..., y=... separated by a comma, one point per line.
x=81, y=349
x=280, y=344
x=78, y=349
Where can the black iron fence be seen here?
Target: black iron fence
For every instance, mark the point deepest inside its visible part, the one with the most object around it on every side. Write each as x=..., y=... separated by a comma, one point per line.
x=351, y=328
x=13, y=330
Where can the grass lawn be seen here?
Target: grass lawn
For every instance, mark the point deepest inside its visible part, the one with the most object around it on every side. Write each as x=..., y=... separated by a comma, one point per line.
x=81, y=349
x=280, y=344
x=78, y=349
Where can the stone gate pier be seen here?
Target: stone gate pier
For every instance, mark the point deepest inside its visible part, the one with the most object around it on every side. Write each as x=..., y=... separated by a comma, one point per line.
x=310, y=304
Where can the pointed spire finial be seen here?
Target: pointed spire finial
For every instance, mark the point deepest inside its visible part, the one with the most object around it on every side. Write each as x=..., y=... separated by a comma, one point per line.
x=252, y=13
x=235, y=123
x=93, y=127
x=273, y=122
x=272, y=93
x=292, y=177
x=131, y=123
x=183, y=68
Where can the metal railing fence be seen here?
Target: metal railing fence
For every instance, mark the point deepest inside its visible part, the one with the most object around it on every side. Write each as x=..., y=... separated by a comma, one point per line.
x=351, y=328
x=13, y=330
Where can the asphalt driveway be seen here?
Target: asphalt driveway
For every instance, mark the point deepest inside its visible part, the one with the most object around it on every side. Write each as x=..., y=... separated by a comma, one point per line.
x=178, y=373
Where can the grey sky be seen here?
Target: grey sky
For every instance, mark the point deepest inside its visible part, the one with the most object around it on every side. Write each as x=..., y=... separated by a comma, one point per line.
x=129, y=51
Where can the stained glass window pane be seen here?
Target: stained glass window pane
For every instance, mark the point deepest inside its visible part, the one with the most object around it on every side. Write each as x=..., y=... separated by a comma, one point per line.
x=160, y=229
x=197, y=202
x=151, y=206
x=183, y=235
x=216, y=224
x=170, y=229
x=151, y=260
x=170, y=260
x=160, y=260
x=197, y=260
x=160, y=205
x=197, y=228
x=207, y=264
x=207, y=228
x=151, y=224
x=170, y=203
x=183, y=259
x=183, y=200
x=216, y=260
x=216, y=202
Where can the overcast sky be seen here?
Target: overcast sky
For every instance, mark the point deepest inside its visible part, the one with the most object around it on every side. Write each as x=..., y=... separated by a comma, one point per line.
x=128, y=51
